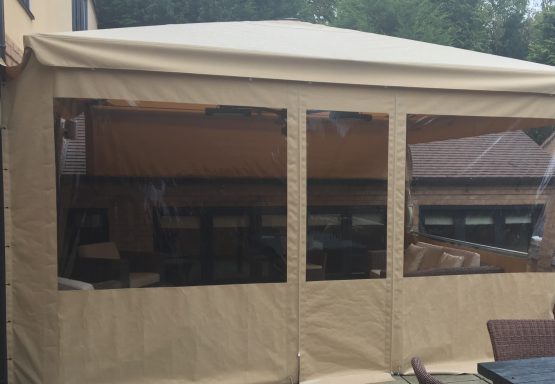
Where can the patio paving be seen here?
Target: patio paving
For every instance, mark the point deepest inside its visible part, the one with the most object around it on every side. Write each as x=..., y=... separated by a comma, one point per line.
x=447, y=379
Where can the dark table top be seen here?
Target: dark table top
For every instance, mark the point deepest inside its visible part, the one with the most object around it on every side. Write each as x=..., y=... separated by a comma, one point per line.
x=537, y=370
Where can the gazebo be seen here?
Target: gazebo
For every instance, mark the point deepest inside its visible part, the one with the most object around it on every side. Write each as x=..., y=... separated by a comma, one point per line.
x=229, y=202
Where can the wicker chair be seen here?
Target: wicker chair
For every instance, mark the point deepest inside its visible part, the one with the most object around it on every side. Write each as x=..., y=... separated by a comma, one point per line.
x=522, y=339
x=421, y=374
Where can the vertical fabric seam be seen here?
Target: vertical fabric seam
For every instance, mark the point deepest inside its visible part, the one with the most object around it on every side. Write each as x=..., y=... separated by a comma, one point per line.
x=301, y=167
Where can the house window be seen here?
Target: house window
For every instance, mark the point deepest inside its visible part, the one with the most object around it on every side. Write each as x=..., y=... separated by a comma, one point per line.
x=80, y=15
x=26, y=4
x=502, y=227
x=440, y=224
x=479, y=228
x=219, y=245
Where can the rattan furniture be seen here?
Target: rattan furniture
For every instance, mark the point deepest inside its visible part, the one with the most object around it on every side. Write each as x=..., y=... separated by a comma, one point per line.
x=539, y=370
x=522, y=339
x=421, y=374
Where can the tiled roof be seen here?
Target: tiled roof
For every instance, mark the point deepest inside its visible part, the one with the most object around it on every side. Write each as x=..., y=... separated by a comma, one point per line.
x=504, y=155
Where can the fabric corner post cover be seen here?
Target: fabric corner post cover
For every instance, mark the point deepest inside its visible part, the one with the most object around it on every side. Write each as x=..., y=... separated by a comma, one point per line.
x=33, y=338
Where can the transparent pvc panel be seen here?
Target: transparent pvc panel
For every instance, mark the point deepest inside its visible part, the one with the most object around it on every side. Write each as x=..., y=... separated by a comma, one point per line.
x=483, y=193
x=347, y=195
x=166, y=194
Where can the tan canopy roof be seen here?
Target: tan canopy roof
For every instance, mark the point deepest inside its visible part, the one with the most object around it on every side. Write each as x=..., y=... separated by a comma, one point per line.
x=290, y=50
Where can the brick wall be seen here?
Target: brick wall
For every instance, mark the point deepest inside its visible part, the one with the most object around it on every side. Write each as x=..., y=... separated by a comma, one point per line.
x=14, y=54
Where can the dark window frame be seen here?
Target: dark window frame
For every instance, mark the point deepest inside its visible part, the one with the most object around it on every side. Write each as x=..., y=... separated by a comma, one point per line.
x=498, y=213
x=80, y=15
x=26, y=5
x=206, y=216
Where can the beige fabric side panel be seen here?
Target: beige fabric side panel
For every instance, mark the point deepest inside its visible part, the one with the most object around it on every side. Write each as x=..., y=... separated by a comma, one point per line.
x=477, y=104
x=486, y=113
x=444, y=317
x=235, y=333
x=145, y=86
x=303, y=215
x=296, y=219
x=212, y=334
x=344, y=331
x=397, y=152
x=6, y=100
x=153, y=87
x=344, y=325
x=32, y=208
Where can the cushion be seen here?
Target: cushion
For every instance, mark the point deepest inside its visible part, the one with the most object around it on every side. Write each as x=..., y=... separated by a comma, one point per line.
x=142, y=279
x=471, y=259
x=413, y=257
x=450, y=261
x=65, y=284
x=432, y=256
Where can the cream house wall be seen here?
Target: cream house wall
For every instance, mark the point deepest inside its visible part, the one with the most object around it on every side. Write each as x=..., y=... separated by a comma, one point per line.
x=49, y=16
x=92, y=22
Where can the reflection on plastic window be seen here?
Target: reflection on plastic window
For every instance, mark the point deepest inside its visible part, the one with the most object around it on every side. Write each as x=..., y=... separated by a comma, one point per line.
x=369, y=219
x=324, y=220
x=230, y=222
x=207, y=205
x=482, y=188
x=179, y=222
x=347, y=195
x=525, y=218
x=438, y=220
x=274, y=221
x=477, y=219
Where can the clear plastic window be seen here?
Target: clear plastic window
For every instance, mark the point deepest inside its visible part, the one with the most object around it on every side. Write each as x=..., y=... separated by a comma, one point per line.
x=166, y=194
x=347, y=195
x=483, y=192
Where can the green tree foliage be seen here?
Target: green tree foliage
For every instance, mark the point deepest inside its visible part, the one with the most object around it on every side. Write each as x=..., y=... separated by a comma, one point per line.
x=496, y=26
x=459, y=23
x=130, y=13
x=542, y=47
x=319, y=11
x=539, y=135
x=463, y=21
x=503, y=27
x=508, y=27
x=369, y=16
